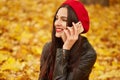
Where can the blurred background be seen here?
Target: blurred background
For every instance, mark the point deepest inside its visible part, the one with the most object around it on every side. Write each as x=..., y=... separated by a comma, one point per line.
x=25, y=26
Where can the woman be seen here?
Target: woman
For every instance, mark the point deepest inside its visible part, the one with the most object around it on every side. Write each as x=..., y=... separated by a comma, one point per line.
x=69, y=56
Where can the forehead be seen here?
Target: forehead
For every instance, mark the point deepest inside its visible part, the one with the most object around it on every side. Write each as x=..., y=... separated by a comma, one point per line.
x=62, y=12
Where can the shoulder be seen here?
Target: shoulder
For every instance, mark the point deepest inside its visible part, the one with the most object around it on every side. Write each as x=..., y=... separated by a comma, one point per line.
x=46, y=49
x=84, y=40
x=86, y=44
x=87, y=47
x=47, y=45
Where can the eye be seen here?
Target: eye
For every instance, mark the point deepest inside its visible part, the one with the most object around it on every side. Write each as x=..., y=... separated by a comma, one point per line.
x=64, y=19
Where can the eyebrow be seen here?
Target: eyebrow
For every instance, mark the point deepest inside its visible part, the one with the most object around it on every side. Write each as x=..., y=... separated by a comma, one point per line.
x=61, y=16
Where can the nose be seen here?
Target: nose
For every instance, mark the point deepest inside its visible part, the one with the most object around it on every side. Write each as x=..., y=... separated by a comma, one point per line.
x=58, y=22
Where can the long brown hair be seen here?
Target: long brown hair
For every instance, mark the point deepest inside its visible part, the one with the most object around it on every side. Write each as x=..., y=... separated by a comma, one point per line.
x=48, y=66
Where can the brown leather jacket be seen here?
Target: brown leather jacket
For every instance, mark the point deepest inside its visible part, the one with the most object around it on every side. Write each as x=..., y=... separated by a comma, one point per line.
x=81, y=72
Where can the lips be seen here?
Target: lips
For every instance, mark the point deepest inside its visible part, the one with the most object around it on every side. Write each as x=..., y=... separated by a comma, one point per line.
x=59, y=29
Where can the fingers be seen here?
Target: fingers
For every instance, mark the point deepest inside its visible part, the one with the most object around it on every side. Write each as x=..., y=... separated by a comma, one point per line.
x=75, y=30
x=81, y=28
x=67, y=32
x=70, y=30
x=72, y=34
x=78, y=28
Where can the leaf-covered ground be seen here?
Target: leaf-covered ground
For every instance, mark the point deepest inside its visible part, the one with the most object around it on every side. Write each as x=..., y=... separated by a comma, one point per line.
x=25, y=25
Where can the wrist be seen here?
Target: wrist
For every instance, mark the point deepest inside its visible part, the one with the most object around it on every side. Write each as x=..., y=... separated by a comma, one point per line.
x=66, y=48
x=66, y=54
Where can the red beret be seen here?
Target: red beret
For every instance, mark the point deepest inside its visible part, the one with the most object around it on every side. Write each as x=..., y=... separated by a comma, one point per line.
x=80, y=11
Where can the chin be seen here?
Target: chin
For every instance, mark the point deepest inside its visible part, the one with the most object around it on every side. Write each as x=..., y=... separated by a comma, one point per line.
x=58, y=35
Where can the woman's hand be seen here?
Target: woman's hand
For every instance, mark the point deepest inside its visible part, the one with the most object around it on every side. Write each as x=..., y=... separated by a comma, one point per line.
x=72, y=34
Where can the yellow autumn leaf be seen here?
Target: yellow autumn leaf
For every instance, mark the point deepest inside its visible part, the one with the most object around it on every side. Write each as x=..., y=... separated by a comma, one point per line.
x=25, y=37
x=98, y=66
x=12, y=64
x=36, y=49
x=3, y=57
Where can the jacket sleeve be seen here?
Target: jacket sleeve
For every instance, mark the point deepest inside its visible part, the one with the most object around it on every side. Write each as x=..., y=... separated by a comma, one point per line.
x=61, y=64
x=43, y=58
x=81, y=72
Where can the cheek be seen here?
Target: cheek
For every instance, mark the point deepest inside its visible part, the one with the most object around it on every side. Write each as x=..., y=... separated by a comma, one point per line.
x=64, y=24
x=54, y=23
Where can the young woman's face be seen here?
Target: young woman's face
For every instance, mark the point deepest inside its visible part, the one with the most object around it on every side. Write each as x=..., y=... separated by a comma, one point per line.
x=60, y=22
